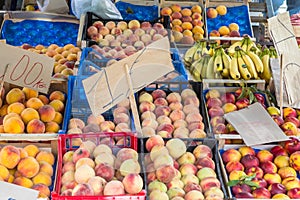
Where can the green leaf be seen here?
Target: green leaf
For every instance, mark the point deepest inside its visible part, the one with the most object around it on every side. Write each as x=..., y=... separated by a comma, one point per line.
x=249, y=178
x=233, y=183
x=251, y=184
x=251, y=97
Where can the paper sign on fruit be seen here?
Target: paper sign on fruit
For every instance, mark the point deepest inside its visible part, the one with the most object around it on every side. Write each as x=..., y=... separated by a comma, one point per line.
x=16, y=192
x=109, y=86
x=255, y=125
x=25, y=68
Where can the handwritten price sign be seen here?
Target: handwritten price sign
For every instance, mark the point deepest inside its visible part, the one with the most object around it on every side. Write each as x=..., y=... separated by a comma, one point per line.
x=25, y=68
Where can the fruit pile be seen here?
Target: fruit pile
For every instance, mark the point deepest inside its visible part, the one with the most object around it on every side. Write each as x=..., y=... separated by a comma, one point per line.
x=174, y=115
x=289, y=122
x=187, y=23
x=242, y=60
x=264, y=174
x=120, y=121
x=220, y=103
x=173, y=172
x=93, y=170
x=27, y=111
x=65, y=57
x=28, y=167
x=121, y=39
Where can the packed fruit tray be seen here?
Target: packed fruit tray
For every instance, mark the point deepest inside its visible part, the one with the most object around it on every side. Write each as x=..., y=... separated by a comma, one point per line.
x=110, y=151
x=79, y=117
x=226, y=20
x=173, y=109
x=24, y=110
x=120, y=33
x=30, y=164
x=264, y=171
x=46, y=29
x=188, y=168
x=219, y=101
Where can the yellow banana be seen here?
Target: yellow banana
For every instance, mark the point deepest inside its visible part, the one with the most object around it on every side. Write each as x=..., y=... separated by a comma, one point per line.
x=226, y=60
x=257, y=62
x=243, y=69
x=197, y=68
x=218, y=64
x=267, y=72
x=189, y=54
x=231, y=49
x=206, y=59
x=245, y=43
x=233, y=68
x=225, y=73
x=210, y=74
x=250, y=65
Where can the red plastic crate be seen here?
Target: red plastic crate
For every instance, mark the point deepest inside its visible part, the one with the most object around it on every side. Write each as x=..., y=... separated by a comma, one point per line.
x=65, y=144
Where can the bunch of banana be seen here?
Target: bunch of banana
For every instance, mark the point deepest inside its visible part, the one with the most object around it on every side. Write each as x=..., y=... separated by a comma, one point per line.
x=265, y=57
x=198, y=68
x=194, y=53
x=246, y=44
x=273, y=52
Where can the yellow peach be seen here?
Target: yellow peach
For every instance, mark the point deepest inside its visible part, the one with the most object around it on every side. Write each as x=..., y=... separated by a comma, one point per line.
x=16, y=107
x=34, y=103
x=29, y=114
x=45, y=156
x=32, y=150
x=29, y=93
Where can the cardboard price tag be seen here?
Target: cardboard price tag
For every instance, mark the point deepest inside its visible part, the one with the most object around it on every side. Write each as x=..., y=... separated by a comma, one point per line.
x=11, y=191
x=25, y=68
x=255, y=125
x=110, y=86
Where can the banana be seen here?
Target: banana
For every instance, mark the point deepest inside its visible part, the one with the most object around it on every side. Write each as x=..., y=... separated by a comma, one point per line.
x=246, y=43
x=231, y=49
x=225, y=73
x=206, y=58
x=257, y=62
x=243, y=68
x=189, y=54
x=226, y=59
x=218, y=63
x=250, y=65
x=197, y=68
x=233, y=68
x=210, y=74
x=267, y=72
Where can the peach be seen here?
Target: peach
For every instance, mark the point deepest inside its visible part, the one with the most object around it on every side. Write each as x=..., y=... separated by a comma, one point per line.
x=176, y=21
x=189, y=178
x=166, y=11
x=152, y=141
x=52, y=127
x=15, y=95
x=190, y=108
x=67, y=177
x=176, y=106
x=193, y=194
x=44, y=190
x=4, y=173
x=186, y=12
x=193, y=117
x=122, y=25
x=205, y=162
x=83, y=189
x=212, y=13
x=209, y=182
x=175, y=183
x=23, y=153
x=105, y=171
x=23, y=181
x=89, y=145
x=29, y=93
x=165, y=173
x=187, y=157
x=294, y=161
x=176, y=148
x=272, y=178
x=249, y=161
x=3, y=110
x=80, y=153
x=127, y=153
x=281, y=161
x=94, y=128
x=231, y=155
x=188, y=168
x=101, y=148
x=34, y=103
x=32, y=150
x=206, y=172
x=44, y=99
x=85, y=161
x=28, y=167
x=163, y=119
x=158, y=195
x=175, y=192
x=16, y=107
x=9, y=156
x=157, y=185
x=134, y=24
x=177, y=115
x=130, y=166
x=244, y=150
x=289, y=182
x=162, y=110
x=114, y=187
x=84, y=173
x=221, y=9
x=197, y=133
x=97, y=119
x=35, y=126
x=157, y=151
x=68, y=166
x=280, y=196
x=68, y=156
x=45, y=156
x=58, y=118
x=160, y=102
x=29, y=114
x=133, y=183
x=202, y=151
x=285, y=172
x=163, y=159
x=234, y=165
x=105, y=158
x=165, y=127
x=97, y=183
x=13, y=125
x=179, y=123
x=42, y=177
x=47, y=113
x=122, y=127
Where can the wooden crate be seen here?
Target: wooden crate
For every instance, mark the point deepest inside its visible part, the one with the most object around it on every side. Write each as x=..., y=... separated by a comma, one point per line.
x=182, y=3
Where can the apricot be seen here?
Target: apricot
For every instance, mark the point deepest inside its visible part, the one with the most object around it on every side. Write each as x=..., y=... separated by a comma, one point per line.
x=186, y=12
x=34, y=103
x=187, y=26
x=4, y=173
x=224, y=30
x=198, y=29
x=28, y=167
x=47, y=113
x=35, y=126
x=212, y=13
x=221, y=9
x=3, y=110
x=9, y=156
x=29, y=93
x=45, y=156
x=52, y=127
x=234, y=27
x=42, y=188
x=166, y=11
x=29, y=114
x=196, y=9
x=44, y=99
x=32, y=150
x=14, y=125
x=187, y=33
x=46, y=167
x=58, y=118
x=58, y=95
x=16, y=107
x=42, y=177
x=57, y=105
x=15, y=95
x=23, y=181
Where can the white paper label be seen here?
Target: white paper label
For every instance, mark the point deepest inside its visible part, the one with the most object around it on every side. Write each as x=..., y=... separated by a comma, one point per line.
x=255, y=125
x=9, y=191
